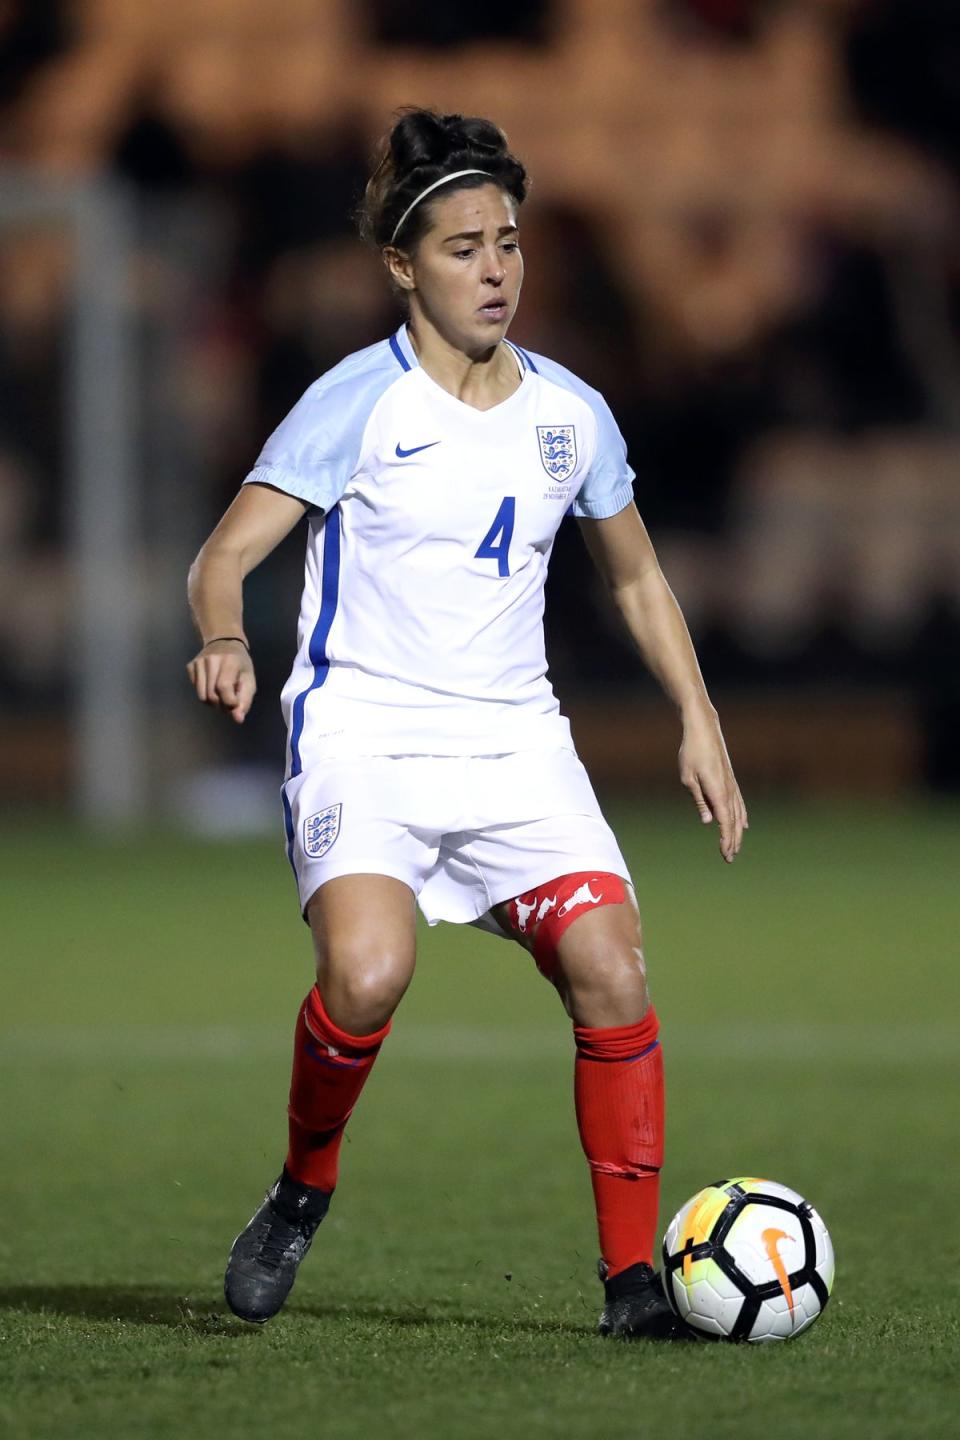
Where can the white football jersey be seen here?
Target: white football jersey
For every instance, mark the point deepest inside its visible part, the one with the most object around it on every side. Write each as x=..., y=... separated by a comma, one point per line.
x=430, y=529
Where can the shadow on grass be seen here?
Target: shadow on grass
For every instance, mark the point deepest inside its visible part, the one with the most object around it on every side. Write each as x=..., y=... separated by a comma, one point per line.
x=207, y=1316
x=140, y=1304
x=418, y=1315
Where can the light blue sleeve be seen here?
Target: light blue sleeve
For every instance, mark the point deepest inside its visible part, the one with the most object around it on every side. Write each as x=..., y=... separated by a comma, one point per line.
x=608, y=484
x=314, y=451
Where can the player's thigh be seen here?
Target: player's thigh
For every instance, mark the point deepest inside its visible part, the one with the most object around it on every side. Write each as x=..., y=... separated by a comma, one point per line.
x=600, y=968
x=360, y=849
x=593, y=954
x=364, y=938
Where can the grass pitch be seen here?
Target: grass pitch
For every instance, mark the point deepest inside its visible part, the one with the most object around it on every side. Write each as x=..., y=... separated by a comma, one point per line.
x=808, y=998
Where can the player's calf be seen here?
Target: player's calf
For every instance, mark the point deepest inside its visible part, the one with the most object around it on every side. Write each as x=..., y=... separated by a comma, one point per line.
x=330, y=1069
x=598, y=970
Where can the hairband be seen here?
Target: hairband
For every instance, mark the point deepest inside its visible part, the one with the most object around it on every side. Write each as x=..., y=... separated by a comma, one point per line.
x=424, y=193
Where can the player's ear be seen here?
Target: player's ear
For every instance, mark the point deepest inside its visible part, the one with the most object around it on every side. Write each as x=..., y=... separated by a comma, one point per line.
x=399, y=266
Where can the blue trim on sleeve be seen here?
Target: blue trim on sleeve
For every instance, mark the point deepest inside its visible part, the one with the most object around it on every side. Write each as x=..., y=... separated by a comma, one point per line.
x=329, y=593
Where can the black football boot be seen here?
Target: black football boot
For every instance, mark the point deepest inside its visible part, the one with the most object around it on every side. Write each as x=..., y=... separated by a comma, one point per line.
x=637, y=1308
x=266, y=1255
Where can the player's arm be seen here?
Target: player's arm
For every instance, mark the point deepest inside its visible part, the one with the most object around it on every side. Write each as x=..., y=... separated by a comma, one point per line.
x=258, y=519
x=621, y=550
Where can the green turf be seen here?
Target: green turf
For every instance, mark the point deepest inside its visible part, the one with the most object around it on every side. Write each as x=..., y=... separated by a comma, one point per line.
x=809, y=998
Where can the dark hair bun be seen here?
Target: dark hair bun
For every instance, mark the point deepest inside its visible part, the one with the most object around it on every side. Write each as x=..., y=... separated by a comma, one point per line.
x=421, y=148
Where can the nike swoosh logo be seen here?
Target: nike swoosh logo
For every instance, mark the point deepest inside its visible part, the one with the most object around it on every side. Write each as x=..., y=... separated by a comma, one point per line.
x=771, y=1239
x=402, y=454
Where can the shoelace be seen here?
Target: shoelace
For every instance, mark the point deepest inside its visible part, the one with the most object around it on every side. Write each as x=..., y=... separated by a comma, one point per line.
x=278, y=1235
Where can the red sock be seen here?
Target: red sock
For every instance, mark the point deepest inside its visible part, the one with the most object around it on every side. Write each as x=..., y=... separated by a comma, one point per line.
x=330, y=1069
x=619, y=1099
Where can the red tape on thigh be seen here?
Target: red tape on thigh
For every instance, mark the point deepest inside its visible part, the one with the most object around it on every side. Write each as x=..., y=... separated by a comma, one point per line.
x=542, y=915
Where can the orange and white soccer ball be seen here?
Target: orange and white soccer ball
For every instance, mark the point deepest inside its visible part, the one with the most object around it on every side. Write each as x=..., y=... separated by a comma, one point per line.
x=748, y=1259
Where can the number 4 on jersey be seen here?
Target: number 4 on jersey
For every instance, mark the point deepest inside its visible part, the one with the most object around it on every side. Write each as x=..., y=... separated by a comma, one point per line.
x=495, y=545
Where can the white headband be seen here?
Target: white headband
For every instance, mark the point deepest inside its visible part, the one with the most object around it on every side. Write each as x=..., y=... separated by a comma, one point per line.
x=457, y=174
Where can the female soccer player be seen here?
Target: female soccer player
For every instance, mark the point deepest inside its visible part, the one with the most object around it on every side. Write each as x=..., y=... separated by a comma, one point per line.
x=428, y=759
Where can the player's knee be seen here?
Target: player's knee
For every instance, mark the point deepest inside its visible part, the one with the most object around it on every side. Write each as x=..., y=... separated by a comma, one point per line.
x=603, y=980
x=602, y=965
x=586, y=939
x=362, y=985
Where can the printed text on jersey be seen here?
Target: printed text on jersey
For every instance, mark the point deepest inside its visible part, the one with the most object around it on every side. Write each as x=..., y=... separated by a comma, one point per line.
x=495, y=545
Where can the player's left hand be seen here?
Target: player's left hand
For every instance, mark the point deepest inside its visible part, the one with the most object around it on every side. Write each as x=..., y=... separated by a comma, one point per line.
x=706, y=772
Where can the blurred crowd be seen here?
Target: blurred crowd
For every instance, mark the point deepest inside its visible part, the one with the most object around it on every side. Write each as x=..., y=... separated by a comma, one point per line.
x=743, y=229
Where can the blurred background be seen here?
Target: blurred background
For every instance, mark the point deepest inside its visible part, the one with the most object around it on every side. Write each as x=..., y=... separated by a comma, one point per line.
x=743, y=229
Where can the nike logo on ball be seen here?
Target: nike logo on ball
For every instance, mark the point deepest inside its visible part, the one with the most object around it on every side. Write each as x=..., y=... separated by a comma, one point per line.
x=402, y=454
x=771, y=1239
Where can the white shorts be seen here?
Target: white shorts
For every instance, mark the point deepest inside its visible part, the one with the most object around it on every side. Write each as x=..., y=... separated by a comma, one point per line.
x=464, y=832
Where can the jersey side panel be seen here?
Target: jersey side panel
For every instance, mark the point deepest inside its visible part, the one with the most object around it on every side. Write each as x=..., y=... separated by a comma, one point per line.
x=313, y=455
x=325, y=577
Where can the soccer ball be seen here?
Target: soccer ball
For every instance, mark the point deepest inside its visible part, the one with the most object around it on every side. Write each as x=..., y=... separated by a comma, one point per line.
x=748, y=1260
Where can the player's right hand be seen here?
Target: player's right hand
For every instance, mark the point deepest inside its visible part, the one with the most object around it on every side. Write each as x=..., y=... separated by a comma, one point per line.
x=222, y=675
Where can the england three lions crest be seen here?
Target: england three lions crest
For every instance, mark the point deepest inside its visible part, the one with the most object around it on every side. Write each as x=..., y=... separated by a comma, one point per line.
x=558, y=450
x=320, y=831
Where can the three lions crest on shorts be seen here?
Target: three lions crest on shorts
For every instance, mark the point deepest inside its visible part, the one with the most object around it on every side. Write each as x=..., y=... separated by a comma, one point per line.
x=558, y=450
x=321, y=830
